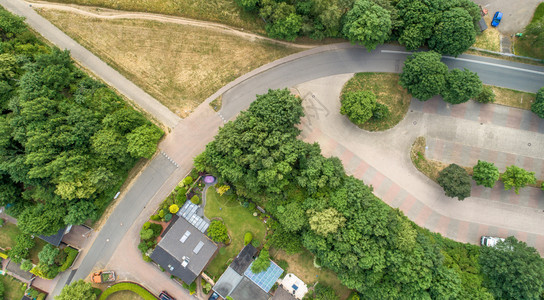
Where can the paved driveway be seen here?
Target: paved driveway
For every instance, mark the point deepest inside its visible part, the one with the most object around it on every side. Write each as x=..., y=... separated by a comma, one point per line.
x=516, y=14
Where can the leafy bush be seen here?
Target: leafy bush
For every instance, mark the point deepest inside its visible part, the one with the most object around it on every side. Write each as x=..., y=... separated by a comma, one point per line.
x=181, y=197
x=173, y=208
x=485, y=173
x=72, y=254
x=2, y=221
x=206, y=286
x=195, y=199
x=486, y=95
x=455, y=181
x=284, y=265
x=538, y=106
x=155, y=217
x=358, y=106
x=261, y=263
x=516, y=177
x=248, y=237
x=47, y=254
x=146, y=258
x=26, y=265
x=146, y=234
x=45, y=271
x=218, y=232
x=162, y=213
x=168, y=217
x=187, y=180
x=381, y=111
x=255, y=243
x=146, y=225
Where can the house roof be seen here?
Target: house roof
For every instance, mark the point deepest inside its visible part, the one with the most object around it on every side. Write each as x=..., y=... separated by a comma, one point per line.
x=247, y=290
x=15, y=268
x=282, y=294
x=56, y=238
x=189, y=212
x=227, y=282
x=243, y=259
x=184, y=251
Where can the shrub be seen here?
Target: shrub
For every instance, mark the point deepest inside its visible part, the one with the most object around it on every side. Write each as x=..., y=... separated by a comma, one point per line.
x=180, y=196
x=155, y=217
x=248, y=237
x=72, y=254
x=455, y=181
x=21, y=250
x=173, y=208
x=206, y=286
x=146, y=258
x=485, y=173
x=218, y=232
x=195, y=199
x=358, y=106
x=486, y=95
x=284, y=265
x=146, y=225
x=380, y=112
x=162, y=213
x=168, y=217
x=538, y=106
x=261, y=263
x=256, y=243
x=187, y=180
x=516, y=177
x=146, y=234
x=26, y=265
x=45, y=271
x=143, y=247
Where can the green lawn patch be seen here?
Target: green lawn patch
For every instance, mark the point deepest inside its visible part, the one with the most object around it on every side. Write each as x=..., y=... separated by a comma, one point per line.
x=127, y=286
x=388, y=91
x=13, y=288
x=8, y=232
x=524, y=45
x=238, y=220
x=513, y=98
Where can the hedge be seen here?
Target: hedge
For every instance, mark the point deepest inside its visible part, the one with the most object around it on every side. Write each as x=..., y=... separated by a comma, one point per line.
x=127, y=286
x=72, y=254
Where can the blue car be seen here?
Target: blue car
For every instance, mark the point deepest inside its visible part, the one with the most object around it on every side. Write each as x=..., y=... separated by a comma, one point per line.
x=496, y=19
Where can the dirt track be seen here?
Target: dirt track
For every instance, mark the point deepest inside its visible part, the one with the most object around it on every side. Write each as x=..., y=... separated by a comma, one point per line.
x=104, y=13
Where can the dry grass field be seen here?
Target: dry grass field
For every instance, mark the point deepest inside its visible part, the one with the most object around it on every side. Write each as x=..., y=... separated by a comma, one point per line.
x=179, y=65
x=513, y=98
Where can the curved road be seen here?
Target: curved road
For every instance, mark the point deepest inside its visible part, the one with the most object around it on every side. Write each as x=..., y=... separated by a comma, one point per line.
x=189, y=136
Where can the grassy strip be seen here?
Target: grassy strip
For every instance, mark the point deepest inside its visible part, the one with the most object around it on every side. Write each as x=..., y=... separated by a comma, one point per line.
x=524, y=45
x=238, y=220
x=388, y=91
x=490, y=38
x=217, y=103
x=13, y=288
x=177, y=64
x=513, y=98
x=539, y=12
x=222, y=11
x=128, y=286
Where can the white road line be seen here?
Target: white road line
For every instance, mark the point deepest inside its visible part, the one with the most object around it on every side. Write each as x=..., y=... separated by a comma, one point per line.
x=473, y=61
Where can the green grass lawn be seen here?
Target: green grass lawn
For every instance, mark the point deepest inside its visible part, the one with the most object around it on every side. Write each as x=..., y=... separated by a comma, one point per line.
x=524, y=46
x=9, y=231
x=126, y=286
x=238, y=220
x=388, y=91
x=12, y=288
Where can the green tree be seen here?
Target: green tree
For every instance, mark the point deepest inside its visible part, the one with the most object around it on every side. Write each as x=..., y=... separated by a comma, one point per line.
x=485, y=173
x=282, y=21
x=454, y=32
x=486, y=95
x=516, y=177
x=8, y=66
x=80, y=290
x=248, y=237
x=80, y=212
x=423, y=75
x=142, y=141
x=367, y=23
x=534, y=33
x=26, y=265
x=261, y=263
x=146, y=234
x=538, y=105
x=292, y=216
x=326, y=221
x=41, y=219
x=21, y=250
x=512, y=270
x=418, y=20
x=455, y=181
x=324, y=292
x=248, y=5
x=358, y=106
x=218, y=232
x=48, y=254
x=461, y=86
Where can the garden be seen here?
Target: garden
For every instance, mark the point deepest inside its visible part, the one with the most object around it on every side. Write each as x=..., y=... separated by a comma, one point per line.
x=127, y=289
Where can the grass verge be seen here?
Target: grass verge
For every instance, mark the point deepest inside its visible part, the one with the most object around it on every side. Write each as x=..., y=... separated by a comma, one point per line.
x=388, y=91
x=217, y=103
x=238, y=220
x=302, y=265
x=430, y=168
x=179, y=65
x=513, y=98
x=13, y=288
x=124, y=295
x=524, y=45
x=127, y=286
x=489, y=39
x=222, y=11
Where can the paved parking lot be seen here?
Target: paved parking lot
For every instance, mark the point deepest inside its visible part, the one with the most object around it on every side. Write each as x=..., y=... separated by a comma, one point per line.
x=516, y=14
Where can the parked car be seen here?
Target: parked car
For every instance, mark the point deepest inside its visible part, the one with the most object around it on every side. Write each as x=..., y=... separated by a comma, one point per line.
x=164, y=296
x=496, y=19
x=214, y=296
x=490, y=241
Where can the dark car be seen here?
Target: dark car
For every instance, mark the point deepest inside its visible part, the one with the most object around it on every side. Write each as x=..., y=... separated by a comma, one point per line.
x=164, y=296
x=214, y=296
x=496, y=19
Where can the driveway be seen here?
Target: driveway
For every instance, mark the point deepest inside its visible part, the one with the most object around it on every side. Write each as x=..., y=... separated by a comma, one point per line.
x=516, y=14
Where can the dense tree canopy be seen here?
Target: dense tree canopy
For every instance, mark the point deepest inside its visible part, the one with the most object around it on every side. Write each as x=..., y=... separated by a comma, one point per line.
x=455, y=181
x=66, y=140
x=454, y=32
x=512, y=270
x=424, y=75
x=80, y=290
x=461, y=86
x=368, y=24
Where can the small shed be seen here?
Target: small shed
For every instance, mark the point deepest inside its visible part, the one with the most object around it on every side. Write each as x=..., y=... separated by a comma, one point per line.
x=482, y=24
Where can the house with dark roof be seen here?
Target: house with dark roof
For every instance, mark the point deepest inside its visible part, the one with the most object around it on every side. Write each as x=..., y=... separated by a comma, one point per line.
x=14, y=269
x=184, y=250
x=240, y=283
x=56, y=238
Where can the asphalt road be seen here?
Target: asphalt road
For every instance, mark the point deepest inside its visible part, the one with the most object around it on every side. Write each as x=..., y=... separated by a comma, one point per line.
x=348, y=58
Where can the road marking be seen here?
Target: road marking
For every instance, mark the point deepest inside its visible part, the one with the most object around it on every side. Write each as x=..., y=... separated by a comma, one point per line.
x=473, y=61
x=171, y=160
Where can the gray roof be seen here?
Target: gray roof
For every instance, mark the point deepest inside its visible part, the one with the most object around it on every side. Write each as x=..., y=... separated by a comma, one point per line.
x=54, y=239
x=196, y=248
x=243, y=259
x=483, y=25
x=188, y=212
x=227, y=282
x=15, y=268
x=282, y=294
x=247, y=290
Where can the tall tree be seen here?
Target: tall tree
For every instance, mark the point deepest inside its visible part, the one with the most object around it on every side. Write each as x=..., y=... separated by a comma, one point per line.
x=454, y=33
x=423, y=75
x=538, y=106
x=367, y=23
x=358, y=106
x=516, y=177
x=80, y=290
x=513, y=270
x=485, y=173
x=455, y=181
x=461, y=86
x=48, y=254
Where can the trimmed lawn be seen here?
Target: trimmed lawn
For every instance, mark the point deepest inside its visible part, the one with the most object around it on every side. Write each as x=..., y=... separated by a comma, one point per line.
x=524, y=46
x=388, y=91
x=124, y=287
x=302, y=265
x=179, y=65
x=9, y=231
x=238, y=220
x=513, y=98
x=12, y=287
x=125, y=295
